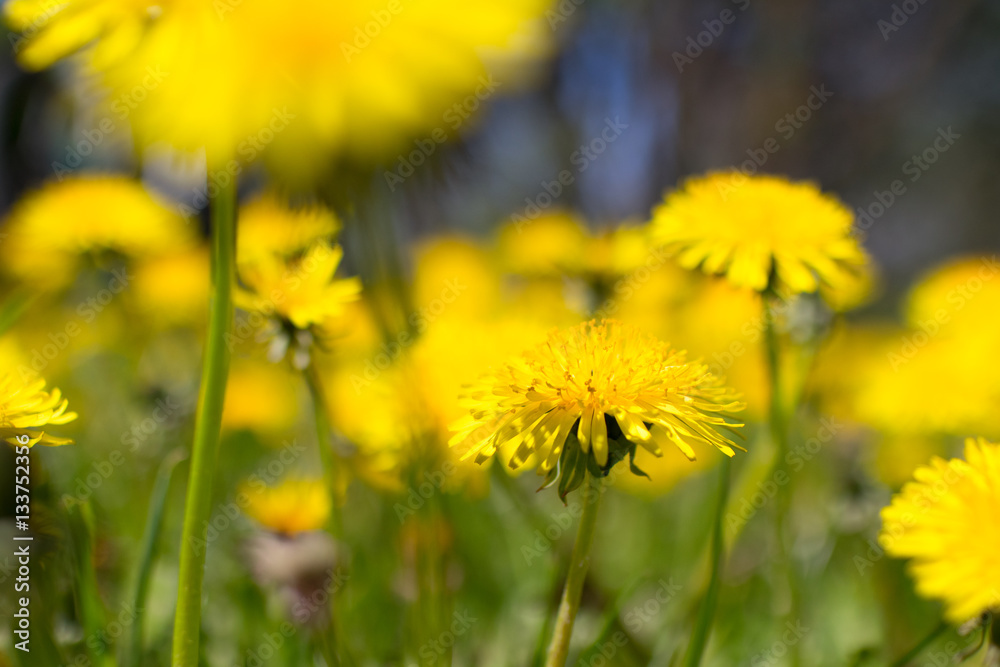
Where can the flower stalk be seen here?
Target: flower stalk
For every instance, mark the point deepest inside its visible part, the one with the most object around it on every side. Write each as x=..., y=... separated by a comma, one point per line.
x=324, y=435
x=779, y=426
x=578, y=566
x=334, y=636
x=703, y=624
x=207, y=428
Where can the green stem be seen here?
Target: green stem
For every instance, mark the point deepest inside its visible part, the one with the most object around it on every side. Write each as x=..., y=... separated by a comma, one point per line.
x=578, y=565
x=327, y=650
x=92, y=614
x=918, y=649
x=779, y=423
x=208, y=422
x=703, y=624
x=324, y=434
x=779, y=427
x=158, y=500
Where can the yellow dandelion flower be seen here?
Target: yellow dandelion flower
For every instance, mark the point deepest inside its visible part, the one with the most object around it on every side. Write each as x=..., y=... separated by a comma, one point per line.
x=945, y=521
x=599, y=388
x=294, y=506
x=550, y=245
x=269, y=227
x=261, y=397
x=912, y=386
x=762, y=232
x=301, y=78
x=959, y=298
x=454, y=277
x=25, y=408
x=50, y=228
x=558, y=243
x=300, y=297
x=302, y=291
x=618, y=251
x=395, y=403
x=173, y=289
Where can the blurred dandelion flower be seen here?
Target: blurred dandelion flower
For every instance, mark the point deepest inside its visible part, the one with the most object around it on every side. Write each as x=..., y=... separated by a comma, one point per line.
x=293, y=555
x=766, y=232
x=260, y=397
x=300, y=297
x=304, y=78
x=173, y=289
x=294, y=506
x=552, y=244
x=597, y=389
x=25, y=408
x=945, y=521
x=956, y=299
x=901, y=380
x=917, y=392
x=269, y=227
x=558, y=243
x=52, y=227
x=395, y=404
x=618, y=251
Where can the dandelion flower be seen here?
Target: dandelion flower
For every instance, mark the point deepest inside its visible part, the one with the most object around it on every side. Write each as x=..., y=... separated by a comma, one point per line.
x=25, y=408
x=302, y=291
x=763, y=232
x=946, y=522
x=269, y=227
x=173, y=289
x=294, y=506
x=300, y=297
x=395, y=402
x=51, y=228
x=958, y=299
x=304, y=78
x=558, y=243
x=550, y=245
x=618, y=251
x=599, y=389
x=260, y=397
x=912, y=387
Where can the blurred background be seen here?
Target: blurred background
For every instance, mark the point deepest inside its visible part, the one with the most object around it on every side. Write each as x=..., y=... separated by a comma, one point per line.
x=688, y=108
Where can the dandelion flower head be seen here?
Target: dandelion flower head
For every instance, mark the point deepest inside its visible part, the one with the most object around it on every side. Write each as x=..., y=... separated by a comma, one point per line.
x=763, y=232
x=603, y=385
x=945, y=521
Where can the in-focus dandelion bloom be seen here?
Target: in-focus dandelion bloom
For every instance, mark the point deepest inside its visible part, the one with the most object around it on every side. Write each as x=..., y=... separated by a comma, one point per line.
x=763, y=232
x=294, y=506
x=302, y=77
x=946, y=522
x=52, y=227
x=25, y=409
x=597, y=386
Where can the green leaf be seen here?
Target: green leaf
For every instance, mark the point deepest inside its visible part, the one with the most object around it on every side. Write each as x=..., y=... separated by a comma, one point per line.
x=573, y=463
